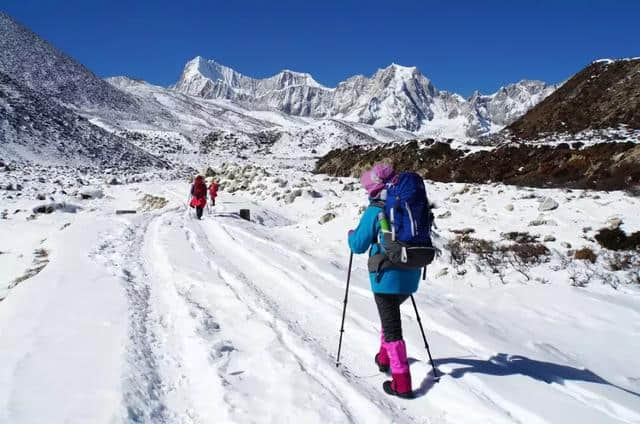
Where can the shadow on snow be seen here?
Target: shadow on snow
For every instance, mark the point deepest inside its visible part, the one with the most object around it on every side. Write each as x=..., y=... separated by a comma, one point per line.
x=504, y=364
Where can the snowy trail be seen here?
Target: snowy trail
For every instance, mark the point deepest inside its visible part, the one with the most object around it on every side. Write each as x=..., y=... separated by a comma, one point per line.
x=254, y=361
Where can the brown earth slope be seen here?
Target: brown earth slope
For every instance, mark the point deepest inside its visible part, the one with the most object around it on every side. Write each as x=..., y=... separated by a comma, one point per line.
x=603, y=95
x=605, y=166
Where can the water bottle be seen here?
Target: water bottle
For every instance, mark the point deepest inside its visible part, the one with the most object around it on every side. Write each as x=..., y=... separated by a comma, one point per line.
x=384, y=223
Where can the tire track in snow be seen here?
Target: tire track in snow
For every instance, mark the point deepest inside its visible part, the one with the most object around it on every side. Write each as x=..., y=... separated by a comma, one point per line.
x=499, y=408
x=356, y=400
x=193, y=335
x=144, y=393
x=463, y=340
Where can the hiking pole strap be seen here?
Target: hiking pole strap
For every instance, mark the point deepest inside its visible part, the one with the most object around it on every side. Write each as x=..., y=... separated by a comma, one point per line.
x=344, y=309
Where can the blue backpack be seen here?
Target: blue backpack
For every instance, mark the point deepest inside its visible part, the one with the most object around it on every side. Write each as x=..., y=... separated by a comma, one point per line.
x=407, y=243
x=407, y=209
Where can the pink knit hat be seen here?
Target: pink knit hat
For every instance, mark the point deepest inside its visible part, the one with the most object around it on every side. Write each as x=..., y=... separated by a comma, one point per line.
x=374, y=179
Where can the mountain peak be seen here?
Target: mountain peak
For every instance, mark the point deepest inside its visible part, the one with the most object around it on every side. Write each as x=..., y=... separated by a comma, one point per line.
x=396, y=96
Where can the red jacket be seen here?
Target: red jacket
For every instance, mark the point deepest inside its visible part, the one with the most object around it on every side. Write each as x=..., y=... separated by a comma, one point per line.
x=213, y=190
x=198, y=193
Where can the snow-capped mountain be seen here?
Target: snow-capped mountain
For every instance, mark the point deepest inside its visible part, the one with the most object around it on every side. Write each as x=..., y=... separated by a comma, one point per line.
x=173, y=113
x=36, y=64
x=510, y=102
x=396, y=97
x=291, y=92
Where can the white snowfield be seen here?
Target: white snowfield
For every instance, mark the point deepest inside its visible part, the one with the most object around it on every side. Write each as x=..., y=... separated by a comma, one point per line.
x=159, y=318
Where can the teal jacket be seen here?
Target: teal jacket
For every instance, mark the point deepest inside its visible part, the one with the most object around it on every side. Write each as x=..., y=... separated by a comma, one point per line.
x=365, y=236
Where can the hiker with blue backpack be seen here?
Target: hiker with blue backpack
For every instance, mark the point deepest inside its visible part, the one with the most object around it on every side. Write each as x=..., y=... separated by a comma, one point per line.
x=395, y=229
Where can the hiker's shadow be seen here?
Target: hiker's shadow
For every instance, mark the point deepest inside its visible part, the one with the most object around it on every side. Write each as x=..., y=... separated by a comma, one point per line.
x=504, y=364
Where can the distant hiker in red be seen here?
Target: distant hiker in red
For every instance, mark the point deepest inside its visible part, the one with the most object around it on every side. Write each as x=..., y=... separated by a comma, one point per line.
x=213, y=192
x=198, y=195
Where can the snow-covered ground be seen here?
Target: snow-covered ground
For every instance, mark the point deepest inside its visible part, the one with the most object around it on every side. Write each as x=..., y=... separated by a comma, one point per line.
x=158, y=317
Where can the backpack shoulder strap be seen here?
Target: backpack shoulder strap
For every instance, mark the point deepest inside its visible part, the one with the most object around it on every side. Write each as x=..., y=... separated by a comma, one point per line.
x=377, y=203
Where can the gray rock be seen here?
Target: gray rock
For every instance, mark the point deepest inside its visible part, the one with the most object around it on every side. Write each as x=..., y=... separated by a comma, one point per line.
x=464, y=231
x=454, y=200
x=444, y=271
x=445, y=215
x=91, y=193
x=509, y=207
x=566, y=245
x=528, y=196
x=549, y=238
x=291, y=197
x=52, y=207
x=541, y=220
x=548, y=204
x=326, y=218
x=313, y=194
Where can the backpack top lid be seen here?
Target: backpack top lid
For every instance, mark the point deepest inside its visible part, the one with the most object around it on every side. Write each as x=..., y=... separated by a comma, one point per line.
x=407, y=208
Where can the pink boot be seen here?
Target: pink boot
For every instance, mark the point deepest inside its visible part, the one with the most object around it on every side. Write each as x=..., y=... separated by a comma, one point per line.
x=400, y=385
x=382, y=357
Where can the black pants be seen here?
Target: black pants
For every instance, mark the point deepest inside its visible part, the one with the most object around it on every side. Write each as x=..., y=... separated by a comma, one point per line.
x=389, y=311
x=199, y=212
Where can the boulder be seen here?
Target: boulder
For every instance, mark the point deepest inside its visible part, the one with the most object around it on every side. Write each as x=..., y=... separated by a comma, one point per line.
x=548, y=204
x=313, y=194
x=464, y=231
x=91, y=193
x=444, y=271
x=326, y=218
x=291, y=197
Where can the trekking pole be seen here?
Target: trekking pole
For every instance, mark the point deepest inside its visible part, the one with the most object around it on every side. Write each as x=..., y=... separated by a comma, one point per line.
x=426, y=344
x=344, y=309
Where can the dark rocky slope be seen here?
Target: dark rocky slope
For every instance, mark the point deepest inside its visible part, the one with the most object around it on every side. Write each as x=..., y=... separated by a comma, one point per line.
x=605, y=166
x=605, y=94
x=38, y=65
x=34, y=128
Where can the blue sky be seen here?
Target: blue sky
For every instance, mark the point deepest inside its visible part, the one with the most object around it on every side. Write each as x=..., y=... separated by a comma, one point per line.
x=460, y=45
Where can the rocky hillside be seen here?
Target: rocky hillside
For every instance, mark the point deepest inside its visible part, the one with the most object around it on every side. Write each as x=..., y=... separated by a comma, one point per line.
x=606, y=94
x=34, y=128
x=38, y=65
x=605, y=166
x=396, y=97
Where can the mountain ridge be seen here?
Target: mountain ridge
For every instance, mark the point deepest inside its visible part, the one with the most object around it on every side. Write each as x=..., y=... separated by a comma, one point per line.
x=396, y=96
